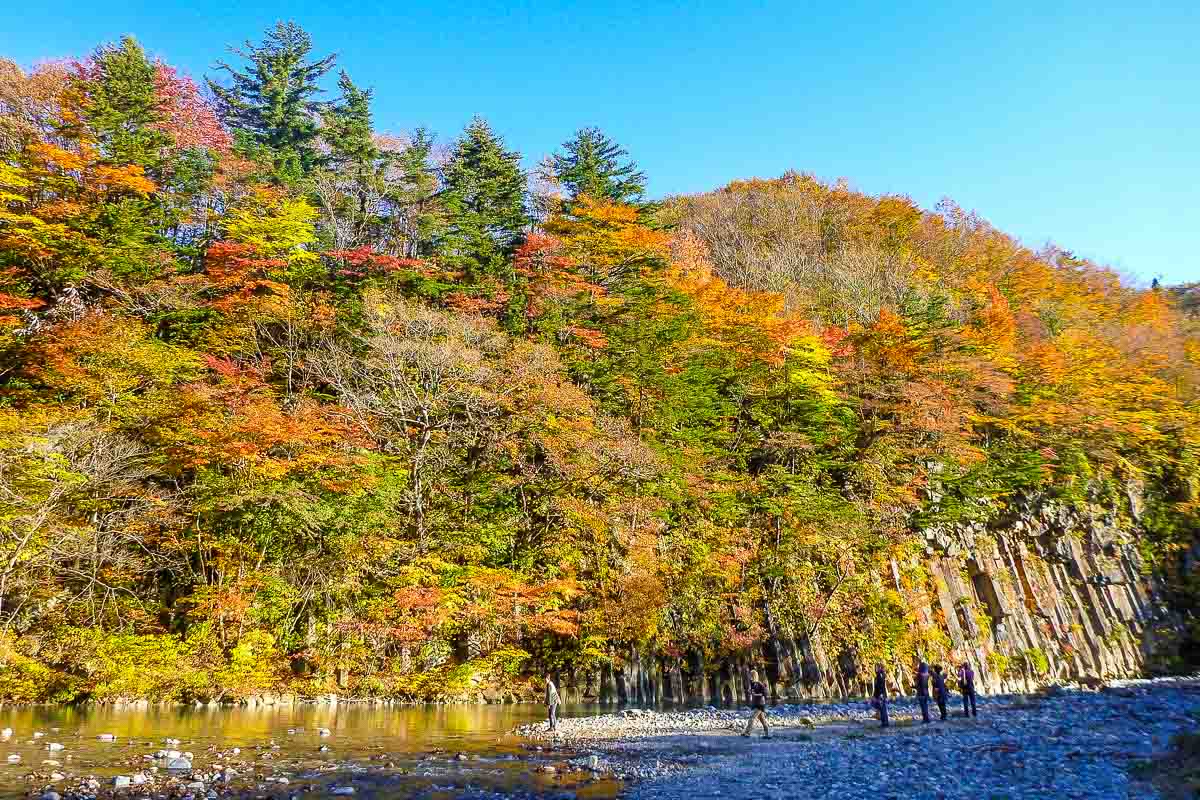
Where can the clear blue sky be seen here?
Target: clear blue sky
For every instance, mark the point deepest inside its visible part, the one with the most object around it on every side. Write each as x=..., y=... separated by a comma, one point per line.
x=1073, y=121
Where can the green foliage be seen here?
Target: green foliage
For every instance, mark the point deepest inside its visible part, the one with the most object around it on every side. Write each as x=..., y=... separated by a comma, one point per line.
x=270, y=102
x=484, y=202
x=122, y=106
x=591, y=164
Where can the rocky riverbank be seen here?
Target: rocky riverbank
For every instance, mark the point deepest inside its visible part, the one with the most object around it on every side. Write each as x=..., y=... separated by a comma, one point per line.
x=1064, y=743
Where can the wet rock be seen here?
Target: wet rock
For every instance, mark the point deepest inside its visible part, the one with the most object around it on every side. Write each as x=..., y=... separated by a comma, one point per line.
x=55, y=746
x=179, y=763
x=107, y=737
x=14, y=758
x=342, y=790
x=122, y=781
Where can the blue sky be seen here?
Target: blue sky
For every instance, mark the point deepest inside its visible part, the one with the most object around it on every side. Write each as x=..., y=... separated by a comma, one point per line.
x=1077, y=122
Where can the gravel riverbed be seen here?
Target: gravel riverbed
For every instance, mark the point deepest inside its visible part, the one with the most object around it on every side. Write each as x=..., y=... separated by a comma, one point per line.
x=1067, y=743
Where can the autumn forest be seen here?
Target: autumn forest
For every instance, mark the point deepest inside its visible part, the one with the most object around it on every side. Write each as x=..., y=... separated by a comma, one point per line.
x=289, y=403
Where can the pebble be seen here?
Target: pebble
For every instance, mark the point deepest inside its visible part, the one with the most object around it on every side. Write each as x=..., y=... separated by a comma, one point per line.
x=107, y=737
x=343, y=790
x=122, y=781
x=55, y=746
x=14, y=758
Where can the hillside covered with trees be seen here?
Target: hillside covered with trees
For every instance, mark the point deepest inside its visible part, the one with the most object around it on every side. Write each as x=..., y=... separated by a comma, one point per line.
x=288, y=403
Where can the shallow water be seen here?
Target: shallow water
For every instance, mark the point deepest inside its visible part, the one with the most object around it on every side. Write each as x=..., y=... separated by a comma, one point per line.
x=383, y=751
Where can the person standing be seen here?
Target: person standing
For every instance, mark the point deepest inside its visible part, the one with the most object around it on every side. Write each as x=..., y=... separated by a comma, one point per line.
x=939, y=690
x=552, y=702
x=880, y=695
x=758, y=705
x=923, y=691
x=966, y=684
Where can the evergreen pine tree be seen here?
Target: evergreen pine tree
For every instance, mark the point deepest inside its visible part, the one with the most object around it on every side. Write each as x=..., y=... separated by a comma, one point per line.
x=122, y=105
x=347, y=129
x=270, y=104
x=592, y=165
x=418, y=217
x=484, y=200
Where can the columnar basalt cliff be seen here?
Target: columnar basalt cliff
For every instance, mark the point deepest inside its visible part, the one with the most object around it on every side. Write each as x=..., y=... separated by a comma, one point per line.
x=1051, y=595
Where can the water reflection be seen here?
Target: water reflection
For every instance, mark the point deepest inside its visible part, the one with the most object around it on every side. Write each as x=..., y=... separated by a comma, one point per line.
x=414, y=740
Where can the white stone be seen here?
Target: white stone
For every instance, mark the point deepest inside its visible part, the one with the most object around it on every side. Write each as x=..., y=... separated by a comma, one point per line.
x=139, y=778
x=107, y=737
x=7, y=732
x=179, y=763
x=55, y=746
x=14, y=758
x=122, y=781
x=323, y=731
x=342, y=790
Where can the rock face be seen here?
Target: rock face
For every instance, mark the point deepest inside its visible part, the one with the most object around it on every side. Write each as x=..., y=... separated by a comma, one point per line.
x=1048, y=595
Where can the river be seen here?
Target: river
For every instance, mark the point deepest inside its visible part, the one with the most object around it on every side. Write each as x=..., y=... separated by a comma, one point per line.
x=380, y=751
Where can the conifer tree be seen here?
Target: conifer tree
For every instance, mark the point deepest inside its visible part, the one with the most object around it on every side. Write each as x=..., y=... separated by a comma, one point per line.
x=592, y=164
x=347, y=128
x=270, y=104
x=418, y=219
x=484, y=199
x=122, y=105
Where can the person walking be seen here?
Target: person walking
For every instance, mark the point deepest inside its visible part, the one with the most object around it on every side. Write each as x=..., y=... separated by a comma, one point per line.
x=552, y=702
x=758, y=705
x=966, y=684
x=880, y=695
x=923, y=691
x=939, y=690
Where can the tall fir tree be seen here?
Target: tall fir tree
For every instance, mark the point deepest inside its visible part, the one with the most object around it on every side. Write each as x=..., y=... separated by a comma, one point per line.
x=122, y=106
x=418, y=218
x=484, y=200
x=347, y=128
x=592, y=164
x=270, y=104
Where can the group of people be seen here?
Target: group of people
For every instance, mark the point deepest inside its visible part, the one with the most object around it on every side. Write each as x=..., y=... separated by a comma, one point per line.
x=925, y=682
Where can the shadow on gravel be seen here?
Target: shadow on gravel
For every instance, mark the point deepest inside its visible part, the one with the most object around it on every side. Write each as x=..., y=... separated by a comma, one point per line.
x=1176, y=776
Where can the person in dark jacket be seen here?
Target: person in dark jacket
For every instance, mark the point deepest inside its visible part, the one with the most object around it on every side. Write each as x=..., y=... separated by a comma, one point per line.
x=758, y=705
x=939, y=690
x=552, y=702
x=923, y=691
x=966, y=684
x=880, y=695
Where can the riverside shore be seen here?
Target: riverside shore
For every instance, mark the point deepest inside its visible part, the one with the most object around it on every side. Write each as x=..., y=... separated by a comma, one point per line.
x=1065, y=743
